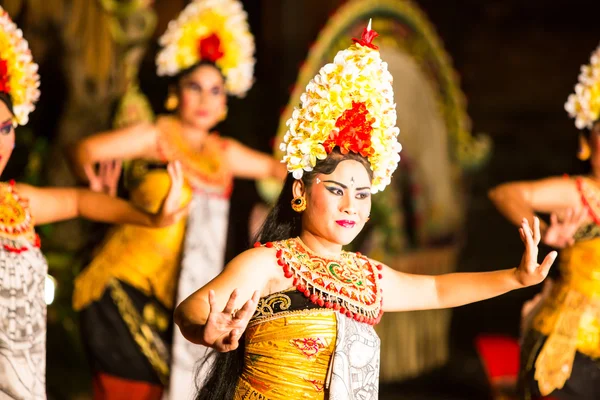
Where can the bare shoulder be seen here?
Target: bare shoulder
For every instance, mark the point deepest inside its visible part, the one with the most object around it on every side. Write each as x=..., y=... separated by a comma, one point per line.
x=257, y=259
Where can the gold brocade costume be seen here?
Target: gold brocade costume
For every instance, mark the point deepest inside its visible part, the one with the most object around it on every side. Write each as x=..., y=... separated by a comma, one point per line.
x=316, y=340
x=148, y=258
x=297, y=343
x=570, y=315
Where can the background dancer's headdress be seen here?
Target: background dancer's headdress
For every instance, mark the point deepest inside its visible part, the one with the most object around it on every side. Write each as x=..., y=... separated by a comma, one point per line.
x=349, y=104
x=19, y=76
x=215, y=31
x=584, y=104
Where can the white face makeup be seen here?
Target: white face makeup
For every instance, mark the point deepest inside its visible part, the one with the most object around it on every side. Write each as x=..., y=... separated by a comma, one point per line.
x=202, y=97
x=339, y=204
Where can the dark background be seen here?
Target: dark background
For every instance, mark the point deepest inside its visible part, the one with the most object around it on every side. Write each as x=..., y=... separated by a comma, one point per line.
x=517, y=61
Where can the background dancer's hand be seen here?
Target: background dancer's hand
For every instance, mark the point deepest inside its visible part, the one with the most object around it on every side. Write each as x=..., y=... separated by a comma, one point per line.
x=171, y=210
x=529, y=271
x=106, y=179
x=223, y=329
x=560, y=233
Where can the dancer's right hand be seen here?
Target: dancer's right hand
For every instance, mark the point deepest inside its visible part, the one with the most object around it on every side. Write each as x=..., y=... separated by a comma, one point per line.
x=560, y=234
x=223, y=329
x=106, y=180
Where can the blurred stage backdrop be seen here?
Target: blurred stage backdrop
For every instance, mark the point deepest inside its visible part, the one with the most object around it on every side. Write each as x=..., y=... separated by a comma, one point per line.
x=480, y=87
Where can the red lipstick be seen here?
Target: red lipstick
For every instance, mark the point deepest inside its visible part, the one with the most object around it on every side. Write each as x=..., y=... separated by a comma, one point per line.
x=345, y=223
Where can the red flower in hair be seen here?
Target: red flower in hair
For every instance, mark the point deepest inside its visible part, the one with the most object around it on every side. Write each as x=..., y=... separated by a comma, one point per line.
x=354, y=128
x=209, y=48
x=367, y=38
x=4, y=84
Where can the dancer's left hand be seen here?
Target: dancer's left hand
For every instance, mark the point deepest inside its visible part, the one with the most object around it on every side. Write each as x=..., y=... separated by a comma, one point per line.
x=171, y=210
x=106, y=179
x=529, y=271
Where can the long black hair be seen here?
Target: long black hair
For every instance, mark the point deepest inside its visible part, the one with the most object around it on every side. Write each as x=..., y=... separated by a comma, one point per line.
x=281, y=223
x=6, y=99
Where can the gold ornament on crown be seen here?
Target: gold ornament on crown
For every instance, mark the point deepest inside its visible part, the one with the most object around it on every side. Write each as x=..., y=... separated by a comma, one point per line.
x=19, y=76
x=210, y=30
x=349, y=104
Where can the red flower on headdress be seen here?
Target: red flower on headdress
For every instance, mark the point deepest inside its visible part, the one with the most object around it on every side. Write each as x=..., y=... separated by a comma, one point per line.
x=209, y=48
x=354, y=128
x=4, y=84
x=367, y=38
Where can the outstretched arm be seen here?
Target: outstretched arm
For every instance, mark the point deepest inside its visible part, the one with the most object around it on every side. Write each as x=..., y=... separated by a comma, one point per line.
x=405, y=292
x=251, y=164
x=518, y=200
x=57, y=204
x=136, y=141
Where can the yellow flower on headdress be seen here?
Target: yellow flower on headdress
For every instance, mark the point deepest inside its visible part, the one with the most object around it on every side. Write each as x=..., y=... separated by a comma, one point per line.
x=584, y=104
x=349, y=104
x=215, y=31
x=18, y=73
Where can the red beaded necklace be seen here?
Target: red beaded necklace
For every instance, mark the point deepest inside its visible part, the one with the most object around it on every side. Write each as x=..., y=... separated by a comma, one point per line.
x=349, y=285
x=16, y=222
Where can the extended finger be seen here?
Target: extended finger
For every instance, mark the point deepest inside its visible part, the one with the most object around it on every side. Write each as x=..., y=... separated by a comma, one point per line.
x=522, y=235
x=90, y=172
x=249, y=307
x=582, y=215
x=536, y=230
x=568, y=215
x=231, y=302
x=528, y=234
x=553, y=219
x=117, y=167
x=547, y=263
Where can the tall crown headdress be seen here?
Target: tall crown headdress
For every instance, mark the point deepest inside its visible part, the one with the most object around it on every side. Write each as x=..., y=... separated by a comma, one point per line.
x=584, y=104
x=349, y=104
x=19, y=76
x=215, y=31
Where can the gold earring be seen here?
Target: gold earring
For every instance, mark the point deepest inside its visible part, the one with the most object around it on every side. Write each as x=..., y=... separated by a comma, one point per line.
x=584, y=151
x=299, y=204
x=224, y=115
x=172, y=100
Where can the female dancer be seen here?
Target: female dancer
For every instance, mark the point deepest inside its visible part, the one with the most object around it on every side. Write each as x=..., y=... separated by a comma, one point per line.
x=208, y=53
x=308, y=323
x=561, y=348
x=23, y=268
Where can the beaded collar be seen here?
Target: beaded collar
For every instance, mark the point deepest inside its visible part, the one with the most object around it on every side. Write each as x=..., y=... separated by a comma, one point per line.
x=205, y=170
x=590, y=196
x=16, y=223
x=349, y=285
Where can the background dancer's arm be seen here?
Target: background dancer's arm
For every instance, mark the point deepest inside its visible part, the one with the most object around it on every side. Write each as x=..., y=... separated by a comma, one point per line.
x=251, y=164
x=556, y=196
x=136, y=141
x=57, y=204
x=518, y=200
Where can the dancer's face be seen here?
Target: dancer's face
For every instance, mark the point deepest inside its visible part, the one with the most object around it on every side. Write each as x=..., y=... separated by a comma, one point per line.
x=202, y=97
x=338, y=205
x=7, y=135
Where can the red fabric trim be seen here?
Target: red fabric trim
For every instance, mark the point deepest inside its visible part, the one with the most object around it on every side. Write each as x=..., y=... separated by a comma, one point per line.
x=108, y=387
x=579, y=183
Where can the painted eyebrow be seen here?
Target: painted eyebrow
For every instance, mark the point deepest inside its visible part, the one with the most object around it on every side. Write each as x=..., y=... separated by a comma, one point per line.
x=346, y=187
x=8, y=121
